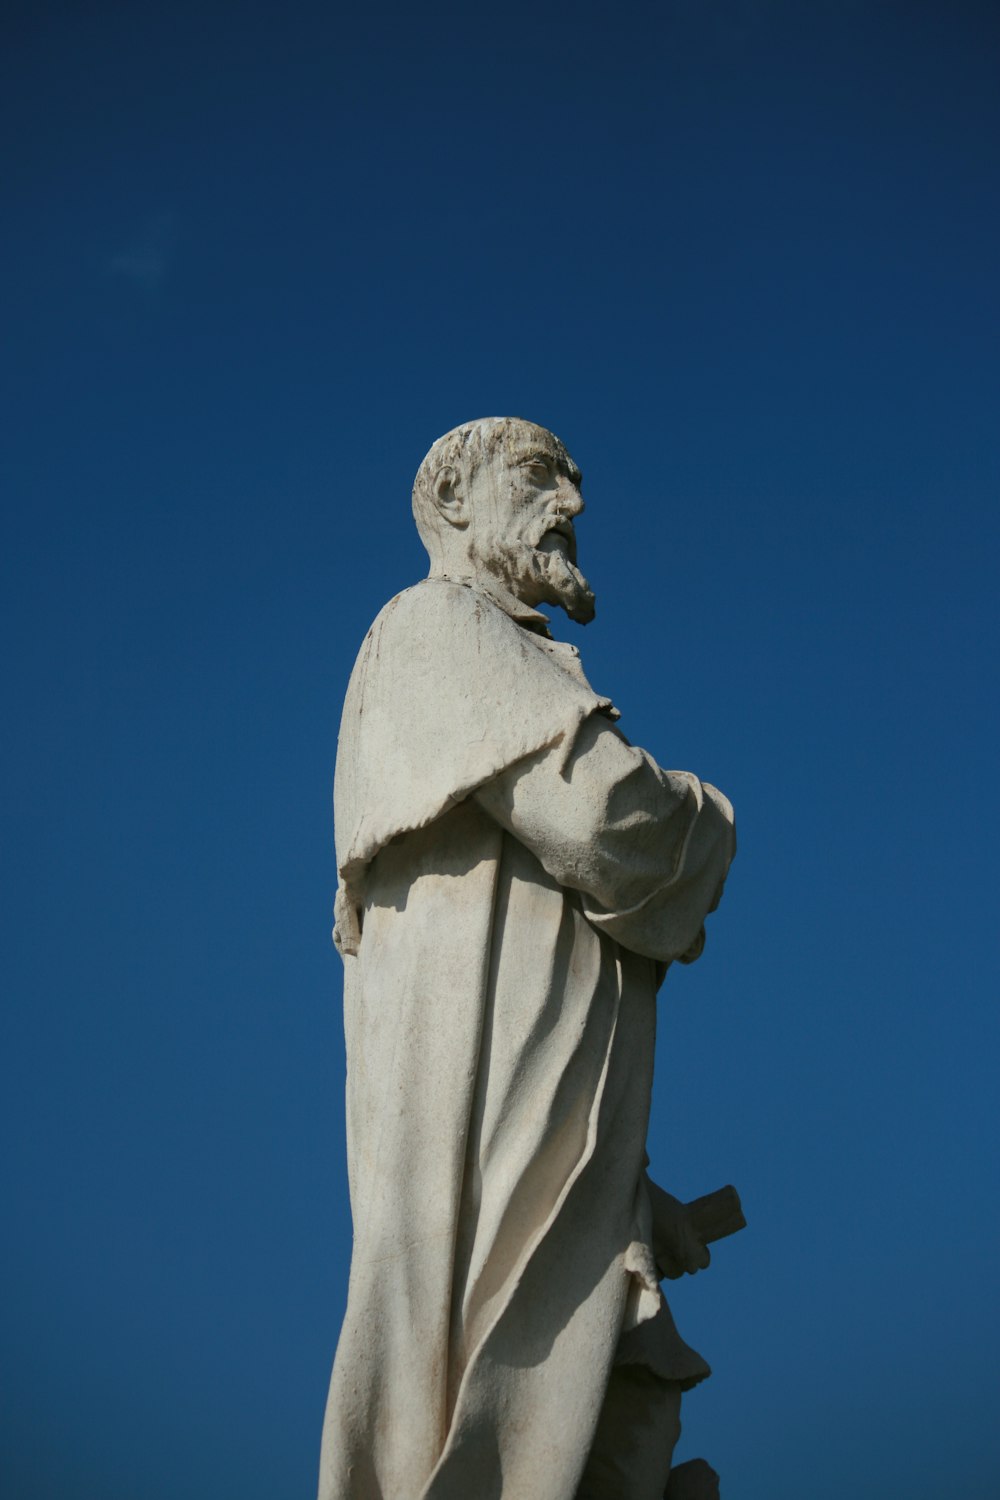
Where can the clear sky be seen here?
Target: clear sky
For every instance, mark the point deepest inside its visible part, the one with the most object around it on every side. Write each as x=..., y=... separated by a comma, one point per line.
x=741, y=255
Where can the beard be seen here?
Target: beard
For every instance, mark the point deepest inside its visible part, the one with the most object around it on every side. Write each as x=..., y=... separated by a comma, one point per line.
x=545, y=575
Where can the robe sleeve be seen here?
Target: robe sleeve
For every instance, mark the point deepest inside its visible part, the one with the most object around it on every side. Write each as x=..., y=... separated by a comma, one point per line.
x=447, y=693
x=647, y=849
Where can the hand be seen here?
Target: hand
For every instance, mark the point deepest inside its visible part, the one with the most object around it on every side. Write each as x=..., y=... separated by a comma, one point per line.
x=696, y=949
x=676, y=1246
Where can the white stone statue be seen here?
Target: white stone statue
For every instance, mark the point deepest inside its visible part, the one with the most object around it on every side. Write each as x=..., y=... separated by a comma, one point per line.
x=515, y=879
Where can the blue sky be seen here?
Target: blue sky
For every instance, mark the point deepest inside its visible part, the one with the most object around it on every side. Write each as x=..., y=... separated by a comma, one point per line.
x=742, y=258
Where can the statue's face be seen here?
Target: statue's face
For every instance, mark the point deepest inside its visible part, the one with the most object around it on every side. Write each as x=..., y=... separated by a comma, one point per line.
x=523, y=502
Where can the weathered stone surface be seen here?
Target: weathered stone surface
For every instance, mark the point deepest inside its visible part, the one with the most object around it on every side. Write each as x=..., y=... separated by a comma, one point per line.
x=515, y=880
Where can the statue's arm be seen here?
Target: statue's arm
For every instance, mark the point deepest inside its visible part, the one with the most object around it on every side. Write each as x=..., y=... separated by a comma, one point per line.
x=648, y=849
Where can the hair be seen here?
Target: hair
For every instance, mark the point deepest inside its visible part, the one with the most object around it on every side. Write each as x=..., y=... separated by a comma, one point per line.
x=465, y=448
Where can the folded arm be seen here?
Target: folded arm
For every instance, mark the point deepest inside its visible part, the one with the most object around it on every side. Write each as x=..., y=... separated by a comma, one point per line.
x=647, y=849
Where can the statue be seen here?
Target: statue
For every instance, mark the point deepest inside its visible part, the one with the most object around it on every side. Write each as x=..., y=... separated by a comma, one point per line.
x=515, y=880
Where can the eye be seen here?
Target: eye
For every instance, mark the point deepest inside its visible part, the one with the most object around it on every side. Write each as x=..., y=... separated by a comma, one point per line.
x=538, y=468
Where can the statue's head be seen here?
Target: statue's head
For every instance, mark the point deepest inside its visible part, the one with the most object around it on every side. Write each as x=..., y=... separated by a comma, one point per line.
x=494, y=500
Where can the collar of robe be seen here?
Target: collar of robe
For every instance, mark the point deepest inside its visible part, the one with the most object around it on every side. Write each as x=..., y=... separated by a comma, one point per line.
x=521, y=613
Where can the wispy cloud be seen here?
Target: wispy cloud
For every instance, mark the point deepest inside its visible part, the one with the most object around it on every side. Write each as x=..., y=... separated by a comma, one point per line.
x=146, y=259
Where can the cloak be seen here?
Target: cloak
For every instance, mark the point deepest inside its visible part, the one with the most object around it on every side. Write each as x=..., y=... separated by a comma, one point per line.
x=514, y=879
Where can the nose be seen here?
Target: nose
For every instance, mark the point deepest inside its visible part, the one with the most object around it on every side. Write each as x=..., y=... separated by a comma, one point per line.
x=570, y=501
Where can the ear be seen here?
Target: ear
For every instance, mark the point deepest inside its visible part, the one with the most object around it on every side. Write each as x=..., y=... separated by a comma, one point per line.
x=449, y=497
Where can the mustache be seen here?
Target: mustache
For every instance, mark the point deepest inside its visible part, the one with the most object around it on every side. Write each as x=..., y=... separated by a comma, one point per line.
x=562, y=526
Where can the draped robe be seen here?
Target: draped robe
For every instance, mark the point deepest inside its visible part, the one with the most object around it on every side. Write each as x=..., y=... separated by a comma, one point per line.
x=514, y=880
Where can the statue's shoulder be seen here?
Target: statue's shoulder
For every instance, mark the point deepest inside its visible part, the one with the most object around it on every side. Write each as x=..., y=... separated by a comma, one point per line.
x=440, y=607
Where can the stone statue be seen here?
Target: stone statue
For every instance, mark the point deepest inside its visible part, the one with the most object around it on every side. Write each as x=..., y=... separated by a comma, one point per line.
x=515, y=880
